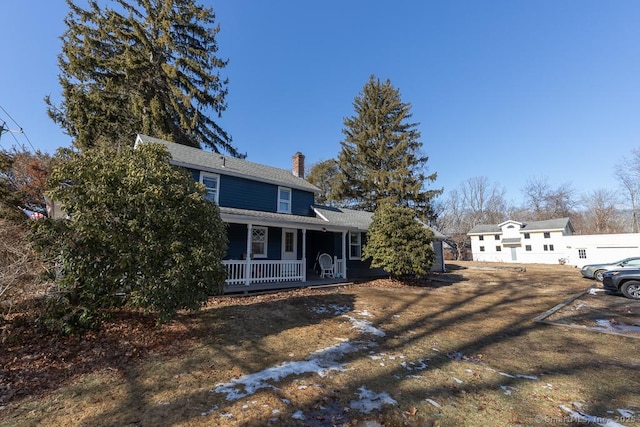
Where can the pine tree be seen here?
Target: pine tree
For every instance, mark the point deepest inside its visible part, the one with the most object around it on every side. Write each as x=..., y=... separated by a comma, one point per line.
x=380, y=157
x=141, y=66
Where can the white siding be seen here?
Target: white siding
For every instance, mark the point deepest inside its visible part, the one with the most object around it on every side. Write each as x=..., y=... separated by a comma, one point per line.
x=594, y=248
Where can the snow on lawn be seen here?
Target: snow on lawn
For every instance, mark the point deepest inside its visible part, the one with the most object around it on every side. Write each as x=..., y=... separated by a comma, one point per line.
x=320, y=362
x=580, y=416
x=368, y=400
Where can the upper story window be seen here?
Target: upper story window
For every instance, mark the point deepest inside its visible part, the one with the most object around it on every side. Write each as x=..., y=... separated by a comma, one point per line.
x=547, y=235
x=496, y=237
x=284, y=200
x=480, y=237
x=212, y=184
x=355, y=245
x=527, y=235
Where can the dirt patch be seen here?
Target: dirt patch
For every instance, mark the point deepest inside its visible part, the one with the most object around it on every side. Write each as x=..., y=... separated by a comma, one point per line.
x=594, y=310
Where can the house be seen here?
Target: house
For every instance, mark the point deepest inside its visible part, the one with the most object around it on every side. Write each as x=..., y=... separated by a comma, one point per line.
x=548, y=242
x=276, y=231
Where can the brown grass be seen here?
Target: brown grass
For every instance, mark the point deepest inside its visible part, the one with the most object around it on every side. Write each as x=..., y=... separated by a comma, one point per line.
x=472, y=328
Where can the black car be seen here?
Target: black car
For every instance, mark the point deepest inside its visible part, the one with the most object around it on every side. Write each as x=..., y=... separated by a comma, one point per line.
x=626, y=282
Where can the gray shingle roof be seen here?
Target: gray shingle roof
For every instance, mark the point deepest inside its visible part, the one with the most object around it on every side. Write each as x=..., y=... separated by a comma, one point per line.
x=345, y=217
x=196, y=158
x=353, y=218
x=545, y=225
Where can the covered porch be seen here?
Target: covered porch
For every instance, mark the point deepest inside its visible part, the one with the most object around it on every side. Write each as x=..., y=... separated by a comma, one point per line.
x=266, y=249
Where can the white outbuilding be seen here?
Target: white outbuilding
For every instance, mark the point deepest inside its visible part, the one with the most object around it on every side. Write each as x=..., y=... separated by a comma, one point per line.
x=548, y=242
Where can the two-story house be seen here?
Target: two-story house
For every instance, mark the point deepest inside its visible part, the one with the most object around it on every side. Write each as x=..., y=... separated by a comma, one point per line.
x=276, y=231
x=549, y=242
x=526, y=242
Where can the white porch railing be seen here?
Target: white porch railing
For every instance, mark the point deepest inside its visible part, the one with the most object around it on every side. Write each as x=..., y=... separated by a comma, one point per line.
x=337, y=267
x=263, y=271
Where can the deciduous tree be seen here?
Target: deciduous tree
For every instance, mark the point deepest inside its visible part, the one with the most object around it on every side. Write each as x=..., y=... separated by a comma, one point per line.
x=324, y=175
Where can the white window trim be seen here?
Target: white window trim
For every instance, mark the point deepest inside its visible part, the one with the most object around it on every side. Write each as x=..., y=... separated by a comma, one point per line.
x=359, y=244
x=204, y=175
x=266, y=242
x=289, y=200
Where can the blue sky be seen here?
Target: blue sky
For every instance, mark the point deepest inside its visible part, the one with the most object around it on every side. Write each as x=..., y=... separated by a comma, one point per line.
x=507, y=89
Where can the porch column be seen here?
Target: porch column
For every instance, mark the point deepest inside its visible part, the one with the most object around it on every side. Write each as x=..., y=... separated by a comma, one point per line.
x=247, y=266
x=304, y=254
x=344, y=254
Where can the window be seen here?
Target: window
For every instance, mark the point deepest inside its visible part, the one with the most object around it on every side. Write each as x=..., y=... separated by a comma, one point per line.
x=582, y=253
x=551, y=247
x=498, y=248
x=481, y=237
x=212, y=184
x=547, y=235
x=284, y=200
x=289, y=242
x=259, y=242
x=527, y=236
x=548, y=247
x=527, y=248
x=355, y=246
x=481, y=248
x=497, y=237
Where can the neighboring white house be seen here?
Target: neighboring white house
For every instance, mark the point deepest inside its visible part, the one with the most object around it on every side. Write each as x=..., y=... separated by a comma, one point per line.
x=548, y=242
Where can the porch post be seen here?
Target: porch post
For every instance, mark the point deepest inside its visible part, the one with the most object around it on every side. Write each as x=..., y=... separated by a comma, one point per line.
x=344, y=254
x=247, y=266
x=304, y=254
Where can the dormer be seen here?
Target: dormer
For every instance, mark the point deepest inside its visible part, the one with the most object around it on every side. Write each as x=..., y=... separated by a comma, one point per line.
x=510, y=229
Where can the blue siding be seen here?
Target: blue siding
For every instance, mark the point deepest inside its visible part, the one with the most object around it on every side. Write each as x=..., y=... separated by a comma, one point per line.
x=241, y=193
x=247, y=194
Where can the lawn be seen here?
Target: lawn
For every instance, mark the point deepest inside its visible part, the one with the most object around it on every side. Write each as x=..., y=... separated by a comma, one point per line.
x=460, y=349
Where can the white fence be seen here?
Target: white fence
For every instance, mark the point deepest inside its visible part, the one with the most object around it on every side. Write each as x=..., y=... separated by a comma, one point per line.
x=263, y=271
x=270, y=271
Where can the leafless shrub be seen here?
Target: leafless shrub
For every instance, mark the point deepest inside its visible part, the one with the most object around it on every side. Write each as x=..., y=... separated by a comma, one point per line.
x=20, y=267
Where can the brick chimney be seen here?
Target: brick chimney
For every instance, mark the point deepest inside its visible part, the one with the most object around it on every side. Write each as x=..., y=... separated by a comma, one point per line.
x=298, y=165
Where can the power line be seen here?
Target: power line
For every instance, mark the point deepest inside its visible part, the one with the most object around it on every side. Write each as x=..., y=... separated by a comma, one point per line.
x=4, y=129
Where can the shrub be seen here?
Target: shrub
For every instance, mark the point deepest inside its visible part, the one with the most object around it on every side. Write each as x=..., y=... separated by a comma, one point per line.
x=139, y=232
x=398, y=242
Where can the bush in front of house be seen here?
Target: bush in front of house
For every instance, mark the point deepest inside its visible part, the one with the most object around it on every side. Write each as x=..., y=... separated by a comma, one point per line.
x=398, y=242
x=138, y=233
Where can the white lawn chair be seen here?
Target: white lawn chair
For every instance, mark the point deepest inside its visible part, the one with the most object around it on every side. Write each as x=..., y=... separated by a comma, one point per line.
x=326, y=265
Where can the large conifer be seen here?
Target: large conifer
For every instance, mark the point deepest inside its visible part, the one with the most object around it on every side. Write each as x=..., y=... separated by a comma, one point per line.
x=141, y=66
x=380, y=158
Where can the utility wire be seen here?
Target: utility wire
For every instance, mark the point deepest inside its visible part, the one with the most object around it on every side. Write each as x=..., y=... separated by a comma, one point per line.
x=12, y=132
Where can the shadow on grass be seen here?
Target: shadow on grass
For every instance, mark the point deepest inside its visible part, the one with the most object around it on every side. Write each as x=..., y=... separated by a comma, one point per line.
x=477, y=320
x=35, y=363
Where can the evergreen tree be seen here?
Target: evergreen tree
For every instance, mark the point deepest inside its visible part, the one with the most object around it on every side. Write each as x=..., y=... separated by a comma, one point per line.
x=380, y=157
x=398, y=243
x=141, y=66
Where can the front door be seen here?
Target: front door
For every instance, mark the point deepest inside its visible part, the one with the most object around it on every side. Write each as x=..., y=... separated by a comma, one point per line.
x=289, y=251
x=514, y=257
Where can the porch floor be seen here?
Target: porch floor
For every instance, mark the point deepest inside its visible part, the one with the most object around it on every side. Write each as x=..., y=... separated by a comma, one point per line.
x=277, y=286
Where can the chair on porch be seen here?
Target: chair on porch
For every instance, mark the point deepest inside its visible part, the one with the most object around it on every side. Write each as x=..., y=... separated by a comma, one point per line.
x=326, y=265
